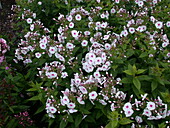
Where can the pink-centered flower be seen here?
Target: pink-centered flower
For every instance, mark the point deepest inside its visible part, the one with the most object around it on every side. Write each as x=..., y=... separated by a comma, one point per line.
x=151, y=105
x=147, y=112
x=92, y=95
x=159, y=24
x=74, y=33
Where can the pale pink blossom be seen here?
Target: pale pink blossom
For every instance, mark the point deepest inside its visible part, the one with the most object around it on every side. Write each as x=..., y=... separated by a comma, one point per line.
x=92, y=95
x=151, y=105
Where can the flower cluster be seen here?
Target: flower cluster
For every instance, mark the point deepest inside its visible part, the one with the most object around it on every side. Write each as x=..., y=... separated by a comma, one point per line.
x=84, y=51
x=3, y=49
x=24, y=119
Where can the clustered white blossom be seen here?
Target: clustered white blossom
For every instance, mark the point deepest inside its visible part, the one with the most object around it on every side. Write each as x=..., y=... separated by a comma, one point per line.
x=98, y=38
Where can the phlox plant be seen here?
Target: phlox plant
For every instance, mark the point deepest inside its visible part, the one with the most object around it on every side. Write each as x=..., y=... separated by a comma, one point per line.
x=107, y=65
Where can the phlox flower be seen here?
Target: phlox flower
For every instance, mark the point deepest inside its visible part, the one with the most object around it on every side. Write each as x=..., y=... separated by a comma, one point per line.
x=159, y=24
x=79, y=99
x=98, y=24
x=29, y=20
x=168, y=23
x=52, y=50
x=112, y=107
x=87, y=33
x=71, y=25
x=72, y=110
x=69, y=18
x=74, y=33
x=131, y=30
x=98, y=60
x=140, y=3
x=112, y=10
x=127, y=106
x=129, y=112
x=71, y=105
x=52, y=109
x=138, y=119
x=103, y=102
x=104, y=24
x=37, y=55
x=43, y=46
x=31, y=27
x=78, y=17
x=84, y=43
x=147, y=112
x=107, y=46
x=69, y=46
x=168, y=54
x=151, y=105
x=117, y=1
x=39, y=3
x=65, y=100
x=92, y=95
x=83, y=90
x=96, y=74
x=106, y=37
x=53, y=74
x=64, y=74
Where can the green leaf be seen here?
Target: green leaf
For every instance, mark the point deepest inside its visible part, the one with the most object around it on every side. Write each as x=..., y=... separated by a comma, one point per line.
x=139, y=71
x=63, y=124
x=99, y=114
x=162, y=125
x=144, y=77
x=34, y=98
x=78, y=120
x=137, y=83
x=126, y=80
x=84, y=111
x=154, y=85
x=145, y=54
x=40, y=110
x=90, y=119
x=32, y=89
x=70, y=118
x=128, y=72
x=113, y=115
x=112, y=124
x=125, y=121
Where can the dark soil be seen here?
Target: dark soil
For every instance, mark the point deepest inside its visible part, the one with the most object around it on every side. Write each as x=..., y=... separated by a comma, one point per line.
x=5, y=12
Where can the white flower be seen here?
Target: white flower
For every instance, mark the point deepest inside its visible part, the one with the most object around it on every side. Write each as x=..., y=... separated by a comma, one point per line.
x=69, y=18
x=152, y=19
x=129, y=112
x=147, y=112
x=93, y=95
x=96, y=74
x=168, y=23
x=65, y=100
x=32, y=27
x=112, y=107
x=71, y=105
x=127, y=106
x=29, y=20
x=102, y=15
x=79, y=99
x=112, y=10
x=87, y=33
x=39, y=3
x=124, y=33
x=74, y=33
x=131, y=30
x=104, y=24
x=107, y=46
x=72, y=110
x=64, y=74
x=102, y=102
x=43, y=46
x=117, y=1
x=150, y=105
x=144, y=96
x=37, y=55
x=89, y=68
x=140, y=3
x=98, y=24
x=71, y=25
x=159, y=24
x=138, y=119
x=78, y=17
x=52, y=50
x=83, y=89
x=98, y=61
x=69, y=46
x=52, y=109
x=53, y=74
x=84, y=43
